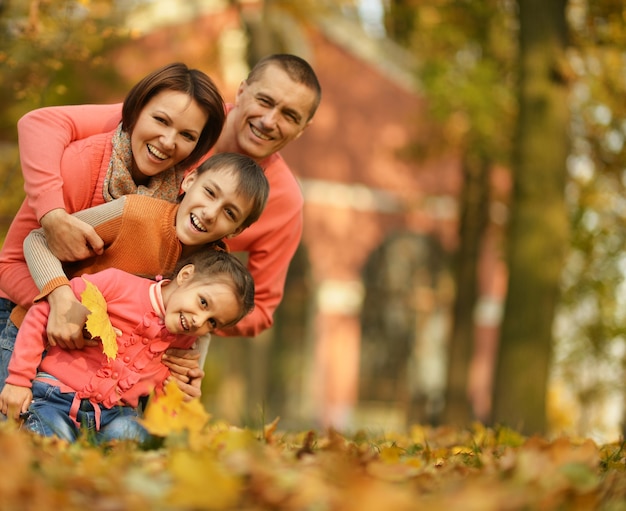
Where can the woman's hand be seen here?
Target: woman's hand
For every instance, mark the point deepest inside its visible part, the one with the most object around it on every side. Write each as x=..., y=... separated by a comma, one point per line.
x=15, y=400
x=69, y=238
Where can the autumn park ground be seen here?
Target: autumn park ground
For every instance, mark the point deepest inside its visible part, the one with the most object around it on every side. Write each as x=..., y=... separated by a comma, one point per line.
x=197, y=463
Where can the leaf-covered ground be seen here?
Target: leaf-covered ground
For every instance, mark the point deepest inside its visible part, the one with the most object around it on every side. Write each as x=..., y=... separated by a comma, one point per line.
x=207, y=465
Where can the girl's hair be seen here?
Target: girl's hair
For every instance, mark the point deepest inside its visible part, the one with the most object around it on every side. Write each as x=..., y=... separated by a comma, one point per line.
x=220, y=265
x=253, y=184
x=197, y=85
x=298, y=69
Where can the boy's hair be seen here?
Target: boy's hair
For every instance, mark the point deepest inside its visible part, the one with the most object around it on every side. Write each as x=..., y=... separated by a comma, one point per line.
x=253, y=184
x=298, y=69
x=220, y=265
x=179, y=78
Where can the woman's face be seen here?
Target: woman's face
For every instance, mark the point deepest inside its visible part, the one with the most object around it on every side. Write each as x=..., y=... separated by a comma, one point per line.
x=166, y=132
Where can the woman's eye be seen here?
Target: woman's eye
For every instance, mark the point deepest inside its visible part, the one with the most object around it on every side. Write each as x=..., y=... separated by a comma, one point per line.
x=160, y=119
x=189, y=137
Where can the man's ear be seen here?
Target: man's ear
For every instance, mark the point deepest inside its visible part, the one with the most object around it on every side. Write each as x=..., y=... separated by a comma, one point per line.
x=240, y=90
x=302, y=130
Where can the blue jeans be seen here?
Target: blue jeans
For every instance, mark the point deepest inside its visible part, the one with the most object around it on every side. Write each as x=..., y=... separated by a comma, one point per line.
x=49, y=415
x=8, y=334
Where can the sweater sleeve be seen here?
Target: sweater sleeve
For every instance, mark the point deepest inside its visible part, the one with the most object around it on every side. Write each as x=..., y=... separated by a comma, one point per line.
x=46, y=270
x=43, y=135
x=29, y=346
x=271, y=243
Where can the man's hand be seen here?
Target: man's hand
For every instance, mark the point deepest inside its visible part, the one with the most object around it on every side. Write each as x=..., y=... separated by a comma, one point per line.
x=15, y=400
x=69, y=238
x=66, y=320
x=185, y=370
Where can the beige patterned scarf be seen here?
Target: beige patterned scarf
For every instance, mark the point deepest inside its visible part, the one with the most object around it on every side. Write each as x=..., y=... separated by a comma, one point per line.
x=119, y=181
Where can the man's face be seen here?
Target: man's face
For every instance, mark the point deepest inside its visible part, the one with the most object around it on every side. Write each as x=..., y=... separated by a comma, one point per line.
x=270, y=112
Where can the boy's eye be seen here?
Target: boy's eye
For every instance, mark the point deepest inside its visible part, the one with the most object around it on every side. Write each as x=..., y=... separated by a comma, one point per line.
x=231, y=214
x=210, y=192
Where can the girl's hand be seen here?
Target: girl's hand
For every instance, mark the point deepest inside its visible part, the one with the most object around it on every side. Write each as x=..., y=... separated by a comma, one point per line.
x=66, y=320
x=15, y=400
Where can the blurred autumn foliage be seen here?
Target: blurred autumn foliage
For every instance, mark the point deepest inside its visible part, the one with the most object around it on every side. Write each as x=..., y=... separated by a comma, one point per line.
x=201, y=464
x=51, y=53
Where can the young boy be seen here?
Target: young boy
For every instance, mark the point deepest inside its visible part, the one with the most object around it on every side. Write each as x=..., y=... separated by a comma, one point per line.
x=72, y=389
x=147, y=236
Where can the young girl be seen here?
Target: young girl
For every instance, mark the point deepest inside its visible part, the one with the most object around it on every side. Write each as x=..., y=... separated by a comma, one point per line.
x=72, y=389
x=147, y=236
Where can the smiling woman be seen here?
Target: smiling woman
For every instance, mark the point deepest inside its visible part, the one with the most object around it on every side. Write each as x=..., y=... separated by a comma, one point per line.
x=170, y=119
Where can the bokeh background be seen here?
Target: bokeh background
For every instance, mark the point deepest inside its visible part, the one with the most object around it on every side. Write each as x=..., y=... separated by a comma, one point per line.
x=462, y=257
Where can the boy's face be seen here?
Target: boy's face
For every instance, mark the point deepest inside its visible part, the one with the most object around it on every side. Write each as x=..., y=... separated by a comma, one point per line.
x=199, y=306
x=211, y=209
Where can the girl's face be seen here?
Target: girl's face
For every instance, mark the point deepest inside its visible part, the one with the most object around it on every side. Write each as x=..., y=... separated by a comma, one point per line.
x=166, y=131
x=197, y=306
x=212, y=207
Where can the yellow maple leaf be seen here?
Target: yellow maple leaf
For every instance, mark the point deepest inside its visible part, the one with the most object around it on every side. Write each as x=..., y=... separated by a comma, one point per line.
x=170, y=413
x=98, y=322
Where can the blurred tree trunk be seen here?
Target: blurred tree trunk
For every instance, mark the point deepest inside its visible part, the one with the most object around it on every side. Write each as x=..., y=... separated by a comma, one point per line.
x=538, y=235
x=474, y=213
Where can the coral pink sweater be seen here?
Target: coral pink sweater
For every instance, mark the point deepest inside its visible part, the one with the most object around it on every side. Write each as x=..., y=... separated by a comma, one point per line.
x=270, y=242
x=135, y=306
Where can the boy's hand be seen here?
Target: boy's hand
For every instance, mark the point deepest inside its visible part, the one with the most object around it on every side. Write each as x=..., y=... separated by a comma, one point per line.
x=15, y=400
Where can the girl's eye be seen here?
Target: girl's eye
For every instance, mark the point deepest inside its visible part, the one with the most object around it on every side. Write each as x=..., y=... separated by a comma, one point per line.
x=213, y=323
x=203, y=302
